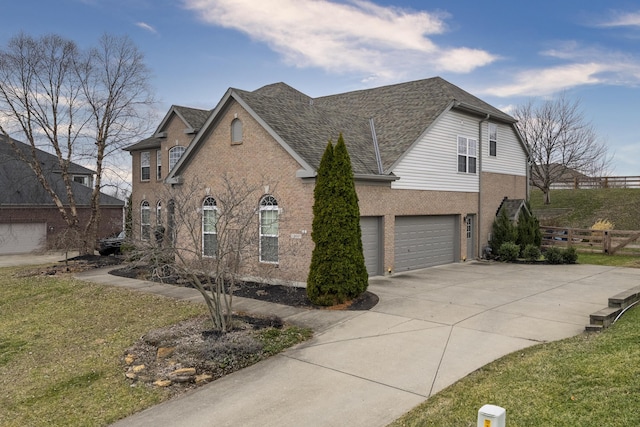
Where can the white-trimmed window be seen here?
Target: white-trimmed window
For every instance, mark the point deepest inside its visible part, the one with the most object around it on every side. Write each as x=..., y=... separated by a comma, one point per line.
x=145, y=166
x=269, y=229
x=493, y=139
x=467, y=154
x=174, y=155
x=145, y=220
x=236, y=131
x=159, y=213
x=159, y=165
x=209, y=227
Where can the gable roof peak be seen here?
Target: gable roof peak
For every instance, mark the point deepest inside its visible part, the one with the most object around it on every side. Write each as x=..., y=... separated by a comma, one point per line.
x=282, y=90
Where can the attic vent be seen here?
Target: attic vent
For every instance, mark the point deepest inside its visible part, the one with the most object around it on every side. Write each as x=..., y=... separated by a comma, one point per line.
x=161, y=135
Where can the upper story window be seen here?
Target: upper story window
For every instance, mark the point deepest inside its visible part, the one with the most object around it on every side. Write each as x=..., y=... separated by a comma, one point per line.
x=159, y=164
x=209, y=227
x=83, y=179
x=269, y=229
x=493, y=139
x=467, y=154
x=145, y=165
x=174, y=155
x=236, y=131
x=145, y=220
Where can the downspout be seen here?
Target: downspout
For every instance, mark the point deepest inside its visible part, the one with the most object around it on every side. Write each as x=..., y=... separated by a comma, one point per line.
x=479, y=227
x=376, y=147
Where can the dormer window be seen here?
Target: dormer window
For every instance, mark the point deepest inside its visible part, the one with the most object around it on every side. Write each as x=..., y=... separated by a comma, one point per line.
x=82, y=179
x=236, y=131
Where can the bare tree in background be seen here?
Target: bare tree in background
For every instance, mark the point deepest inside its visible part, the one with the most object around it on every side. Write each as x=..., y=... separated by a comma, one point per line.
x=80, y=105
x=560, y=139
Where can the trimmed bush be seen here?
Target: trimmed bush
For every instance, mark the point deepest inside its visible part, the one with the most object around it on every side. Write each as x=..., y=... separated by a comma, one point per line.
x=531, y=253
x=508, y=252
x=502, y=231
x=528, y=229
x=554, y=255
x=570, y=255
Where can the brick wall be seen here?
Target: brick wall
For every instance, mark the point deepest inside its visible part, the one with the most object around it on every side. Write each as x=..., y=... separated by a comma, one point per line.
x=261, y=162
x=110, y=220
x=496, y=187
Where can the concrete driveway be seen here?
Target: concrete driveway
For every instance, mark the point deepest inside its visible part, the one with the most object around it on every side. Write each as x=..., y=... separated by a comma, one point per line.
x=431, y=328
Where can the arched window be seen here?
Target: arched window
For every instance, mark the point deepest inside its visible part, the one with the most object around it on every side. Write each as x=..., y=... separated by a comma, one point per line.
x=145, y=220
x=269, y=229
x=209, y=224
x=174, y=155
x=236, y=131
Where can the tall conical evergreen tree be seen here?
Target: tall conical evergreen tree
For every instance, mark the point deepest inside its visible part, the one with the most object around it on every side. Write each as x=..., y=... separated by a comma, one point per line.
x=338, y=272
x=320, y=269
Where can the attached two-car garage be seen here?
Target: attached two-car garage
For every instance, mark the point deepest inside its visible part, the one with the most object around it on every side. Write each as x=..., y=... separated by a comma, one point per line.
x=420, y=242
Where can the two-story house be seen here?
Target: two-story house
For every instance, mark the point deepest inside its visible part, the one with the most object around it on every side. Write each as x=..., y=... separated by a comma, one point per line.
x=29, y=219
x=432, y=164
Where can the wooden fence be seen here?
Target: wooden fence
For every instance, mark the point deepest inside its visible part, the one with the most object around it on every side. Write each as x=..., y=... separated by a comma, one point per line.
x=599, y=182
x=624, y=242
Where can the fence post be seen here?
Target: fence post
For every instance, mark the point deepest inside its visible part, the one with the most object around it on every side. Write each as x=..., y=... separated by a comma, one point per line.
x=606, y=241
x=606, y=182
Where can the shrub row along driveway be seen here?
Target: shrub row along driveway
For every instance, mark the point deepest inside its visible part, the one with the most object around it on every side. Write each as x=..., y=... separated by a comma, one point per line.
x=430, y=328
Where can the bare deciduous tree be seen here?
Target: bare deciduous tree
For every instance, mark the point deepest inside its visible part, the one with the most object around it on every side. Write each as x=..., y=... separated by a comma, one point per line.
x=81, y=106
x=207, y=240
x=559, y=139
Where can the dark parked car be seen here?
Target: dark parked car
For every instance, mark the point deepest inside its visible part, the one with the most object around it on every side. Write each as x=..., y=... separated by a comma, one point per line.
x=111, y=245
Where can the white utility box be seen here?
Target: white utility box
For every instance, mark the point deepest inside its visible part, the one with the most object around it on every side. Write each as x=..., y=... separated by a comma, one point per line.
x=492, y=416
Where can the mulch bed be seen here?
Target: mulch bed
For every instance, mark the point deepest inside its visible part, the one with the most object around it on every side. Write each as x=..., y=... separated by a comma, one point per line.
x=287, y=295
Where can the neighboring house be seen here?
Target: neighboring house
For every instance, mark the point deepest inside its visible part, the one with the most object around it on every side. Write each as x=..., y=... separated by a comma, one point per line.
x=432, y=164
x=29, y=220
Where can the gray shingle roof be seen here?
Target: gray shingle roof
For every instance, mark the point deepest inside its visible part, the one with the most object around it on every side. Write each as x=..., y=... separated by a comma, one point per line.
x=512, y=208
x=194, y=117
x=307, y=127
x=401, y=113
x=19, y=185
x=146, y=144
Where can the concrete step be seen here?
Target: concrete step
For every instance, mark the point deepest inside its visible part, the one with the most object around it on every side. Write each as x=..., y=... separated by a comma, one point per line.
x=604, y=317
x=626, y=298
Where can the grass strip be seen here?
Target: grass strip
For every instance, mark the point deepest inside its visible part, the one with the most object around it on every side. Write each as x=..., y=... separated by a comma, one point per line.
x=587, y=380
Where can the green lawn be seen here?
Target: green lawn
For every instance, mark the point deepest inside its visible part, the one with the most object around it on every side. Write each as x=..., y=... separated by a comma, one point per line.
x=585, y=381
x=61, y=344
x=619, y=205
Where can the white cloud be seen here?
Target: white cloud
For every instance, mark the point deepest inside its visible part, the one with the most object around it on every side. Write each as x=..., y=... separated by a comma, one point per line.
x=583, y=66
x=146, y=27
x=623, y=19
x=356, y=36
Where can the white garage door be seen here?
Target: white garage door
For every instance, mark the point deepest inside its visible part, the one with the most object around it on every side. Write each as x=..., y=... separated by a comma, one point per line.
x=371, y=244
x=424, y=241
x=22, y=238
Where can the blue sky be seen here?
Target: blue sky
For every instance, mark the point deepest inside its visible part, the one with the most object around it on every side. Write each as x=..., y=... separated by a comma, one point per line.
x=504, y=51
